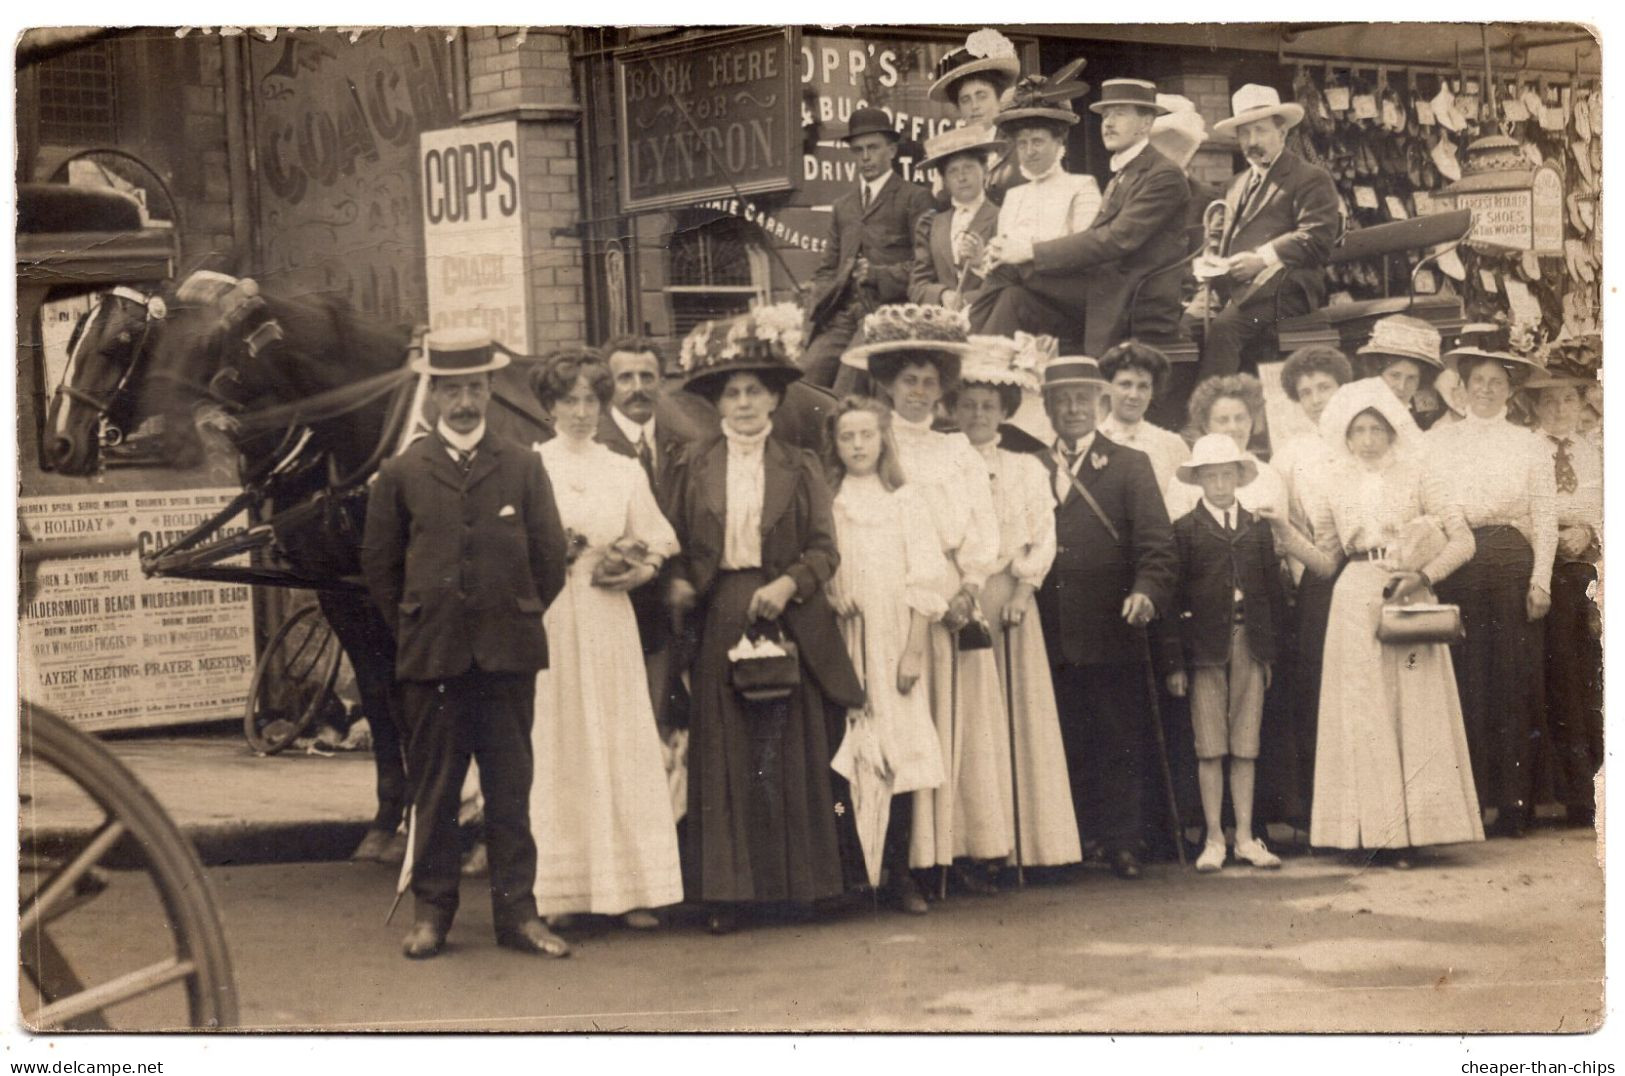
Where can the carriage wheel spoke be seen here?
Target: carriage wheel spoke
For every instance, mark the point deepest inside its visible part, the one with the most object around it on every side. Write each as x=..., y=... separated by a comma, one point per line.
x=53, y=977
x=114, y=991
x=41, y=900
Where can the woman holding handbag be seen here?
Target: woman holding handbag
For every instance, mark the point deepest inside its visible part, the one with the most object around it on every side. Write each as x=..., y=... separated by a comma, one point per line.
x=1391, y=765
x=758, y=546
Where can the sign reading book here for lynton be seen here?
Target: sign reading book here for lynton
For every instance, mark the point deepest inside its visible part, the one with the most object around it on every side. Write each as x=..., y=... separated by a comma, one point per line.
x=708, y=116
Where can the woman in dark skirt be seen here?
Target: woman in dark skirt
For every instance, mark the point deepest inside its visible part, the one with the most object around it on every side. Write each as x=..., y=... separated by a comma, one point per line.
x=753, y=515
x=1501, y=475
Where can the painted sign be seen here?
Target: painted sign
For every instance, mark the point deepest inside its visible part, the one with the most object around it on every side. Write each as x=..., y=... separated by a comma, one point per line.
x=336, y=126
x=473, y=234
x=108, y=648
x=706, y=116
x=1519, y=218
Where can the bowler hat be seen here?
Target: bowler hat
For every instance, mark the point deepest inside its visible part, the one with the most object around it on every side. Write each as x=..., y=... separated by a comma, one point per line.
x=453, y=352
x=871, y=121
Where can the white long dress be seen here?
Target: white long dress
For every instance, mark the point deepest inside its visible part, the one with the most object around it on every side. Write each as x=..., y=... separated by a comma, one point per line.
x=1026, y=511
x=891, y=568
x=970, y=814
x=600, y=811
x=1391, y=763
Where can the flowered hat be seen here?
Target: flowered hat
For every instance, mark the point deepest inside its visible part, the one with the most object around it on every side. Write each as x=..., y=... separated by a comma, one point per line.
x=903, y=331
x=987, y=53
x=1004, y=360
x=1213, y=449
x=765, y=342
x=1490, y=340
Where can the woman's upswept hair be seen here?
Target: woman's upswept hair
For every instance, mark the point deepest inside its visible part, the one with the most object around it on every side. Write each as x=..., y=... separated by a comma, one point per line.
x=1314, y=359
x=553, y=378
x=889, y=467
x=1244, y=387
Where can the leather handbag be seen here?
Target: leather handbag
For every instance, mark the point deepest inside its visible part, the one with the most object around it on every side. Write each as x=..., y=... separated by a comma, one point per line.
x=1413, y=625
x=765, y=679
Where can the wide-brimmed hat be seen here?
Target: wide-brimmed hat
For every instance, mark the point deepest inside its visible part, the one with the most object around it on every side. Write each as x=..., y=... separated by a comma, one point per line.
x=987, y=53
x=1254, y=102
x=1138, y=92
x=454, y=352
x=902, y=332
x=1518, y=367
x=1073, y=370
x=1037, y=97
x=764, y=342
x=1180, y=131
x=1402, y=337
x=871, y=121
x=978, y=140
x=1211, y=450
x=1003, y=360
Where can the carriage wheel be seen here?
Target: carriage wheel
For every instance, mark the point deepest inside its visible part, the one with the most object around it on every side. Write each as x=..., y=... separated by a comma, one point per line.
x=292, y=683
x=76, y=968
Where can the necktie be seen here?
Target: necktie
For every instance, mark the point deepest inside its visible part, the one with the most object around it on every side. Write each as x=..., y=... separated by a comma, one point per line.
x=1567, y=480
x=465, y=460
x=1253, y=184
x=646, y=457
x=866, y=197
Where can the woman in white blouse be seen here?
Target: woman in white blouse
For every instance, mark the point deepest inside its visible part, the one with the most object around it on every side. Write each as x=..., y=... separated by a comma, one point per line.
x=1232, y=405
x=1501, y=475
x=1139, y=374
x=1392, y=769
x=990, y=392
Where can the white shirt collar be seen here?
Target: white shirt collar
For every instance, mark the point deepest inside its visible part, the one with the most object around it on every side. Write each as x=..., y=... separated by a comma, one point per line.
x=972, y=207
x=1055, y=170
x=1084, y=445
x=1219, y=513
x=876, y=185
x=1263, y=171
x=899, y=424
x=460, y=442
x=1122, y=158
x=1472, y=419
x=632, y=430
x=1118, y=430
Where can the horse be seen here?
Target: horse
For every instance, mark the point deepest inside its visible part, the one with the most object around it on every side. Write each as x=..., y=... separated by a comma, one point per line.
x=309, y=392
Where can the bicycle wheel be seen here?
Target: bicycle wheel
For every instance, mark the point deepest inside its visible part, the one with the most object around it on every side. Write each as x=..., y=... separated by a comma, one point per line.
x=59, y=952
x=292, y=683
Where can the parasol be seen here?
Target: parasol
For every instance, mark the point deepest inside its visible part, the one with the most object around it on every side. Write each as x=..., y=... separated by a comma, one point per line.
x=862, y=761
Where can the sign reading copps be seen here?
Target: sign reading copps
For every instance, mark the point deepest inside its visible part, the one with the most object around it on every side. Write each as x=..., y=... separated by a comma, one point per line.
x=708, y=116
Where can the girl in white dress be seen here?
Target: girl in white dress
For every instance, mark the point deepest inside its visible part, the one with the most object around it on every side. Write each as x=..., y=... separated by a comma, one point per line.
x=990, y=392
x=887, y=591
x=1392, y=769
x=605, y=837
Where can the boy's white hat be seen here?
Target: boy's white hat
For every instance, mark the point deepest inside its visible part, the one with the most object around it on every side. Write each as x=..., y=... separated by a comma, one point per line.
x=1211, y=450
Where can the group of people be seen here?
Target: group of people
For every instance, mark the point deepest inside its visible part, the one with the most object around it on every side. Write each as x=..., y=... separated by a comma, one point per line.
x=919, y=647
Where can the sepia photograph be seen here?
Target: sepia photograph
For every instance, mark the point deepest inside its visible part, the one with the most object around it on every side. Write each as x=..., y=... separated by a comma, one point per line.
x=945, y=526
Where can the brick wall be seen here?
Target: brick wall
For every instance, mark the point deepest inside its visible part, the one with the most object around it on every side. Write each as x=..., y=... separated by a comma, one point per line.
x=1210, y=93
x=203, y=182
x=526, y=76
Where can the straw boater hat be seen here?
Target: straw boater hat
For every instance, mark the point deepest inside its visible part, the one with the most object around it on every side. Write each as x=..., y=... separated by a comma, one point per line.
x=871, y=121
x=453, y=352
x=902, y=332
x=764, y=342
x=1211, y=450
x=1073, y=370
x=1254, y=102
x=1128, y=91
x=1180, y=131
x=1402, y=337
x=987, y=53
x=977, y=141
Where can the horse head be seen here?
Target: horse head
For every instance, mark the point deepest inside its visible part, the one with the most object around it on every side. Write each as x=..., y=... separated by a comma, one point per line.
x=92, y=404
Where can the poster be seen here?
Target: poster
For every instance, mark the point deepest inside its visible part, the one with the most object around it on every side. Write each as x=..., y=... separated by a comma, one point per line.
x=108, y=648
x=474, y=237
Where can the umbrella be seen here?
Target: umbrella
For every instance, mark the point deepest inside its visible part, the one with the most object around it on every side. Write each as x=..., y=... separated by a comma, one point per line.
x=862, y=761
x=674, y=750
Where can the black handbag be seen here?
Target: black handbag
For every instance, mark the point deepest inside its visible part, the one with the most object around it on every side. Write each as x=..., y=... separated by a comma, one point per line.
x=765, y=679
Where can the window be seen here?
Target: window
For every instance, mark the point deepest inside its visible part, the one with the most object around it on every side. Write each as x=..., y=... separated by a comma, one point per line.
x=716, y=269
x=78, y=99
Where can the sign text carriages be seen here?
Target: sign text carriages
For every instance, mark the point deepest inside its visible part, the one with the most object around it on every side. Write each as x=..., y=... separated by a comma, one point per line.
x=707, y=117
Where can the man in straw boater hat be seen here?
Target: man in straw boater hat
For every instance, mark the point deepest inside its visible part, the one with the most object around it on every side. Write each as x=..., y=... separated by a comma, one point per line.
x=870, y=249
x=974, y=78
x=463, y=552
x=948, y=244
x=1114, y=569
x=1079, y=284
x=1284, y=216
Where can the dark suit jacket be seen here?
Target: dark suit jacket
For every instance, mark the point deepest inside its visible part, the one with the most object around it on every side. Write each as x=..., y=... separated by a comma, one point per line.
x=648, y=601
x=1211, y=566
x=798, y=540
x=1141, y=228
x=1299, y=210
x=884, y=235
x=462, y=572
x=1080, y=605
x=934, y=270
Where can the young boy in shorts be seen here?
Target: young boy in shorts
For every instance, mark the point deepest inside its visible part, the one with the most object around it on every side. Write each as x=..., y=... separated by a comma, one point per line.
x=1228, y=602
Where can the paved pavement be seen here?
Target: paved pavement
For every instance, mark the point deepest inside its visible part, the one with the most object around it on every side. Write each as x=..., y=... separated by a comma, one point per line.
x=1500, y=936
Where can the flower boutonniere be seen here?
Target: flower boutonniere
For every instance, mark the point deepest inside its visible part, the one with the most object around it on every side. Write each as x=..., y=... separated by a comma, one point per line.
x=1097, y=460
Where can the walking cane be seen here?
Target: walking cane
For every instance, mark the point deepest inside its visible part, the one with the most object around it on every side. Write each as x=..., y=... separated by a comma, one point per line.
x=1162, y=745
x=953, y=753
x=1015, y=784
x=863, y=659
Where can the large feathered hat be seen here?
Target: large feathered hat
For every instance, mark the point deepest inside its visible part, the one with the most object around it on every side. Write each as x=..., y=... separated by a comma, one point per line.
x=765, y=342
x=987, y=53
x=1039, y=98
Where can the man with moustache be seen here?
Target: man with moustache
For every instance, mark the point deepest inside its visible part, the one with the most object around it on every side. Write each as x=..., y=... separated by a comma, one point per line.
x=463, y=552
x=870, y=250
x=1080, y=285
x=1285, y=214
x=632, y=426
x=1114, y=569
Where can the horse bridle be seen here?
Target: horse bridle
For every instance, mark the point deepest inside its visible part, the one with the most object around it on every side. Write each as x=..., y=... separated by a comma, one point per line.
x=100, y=406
